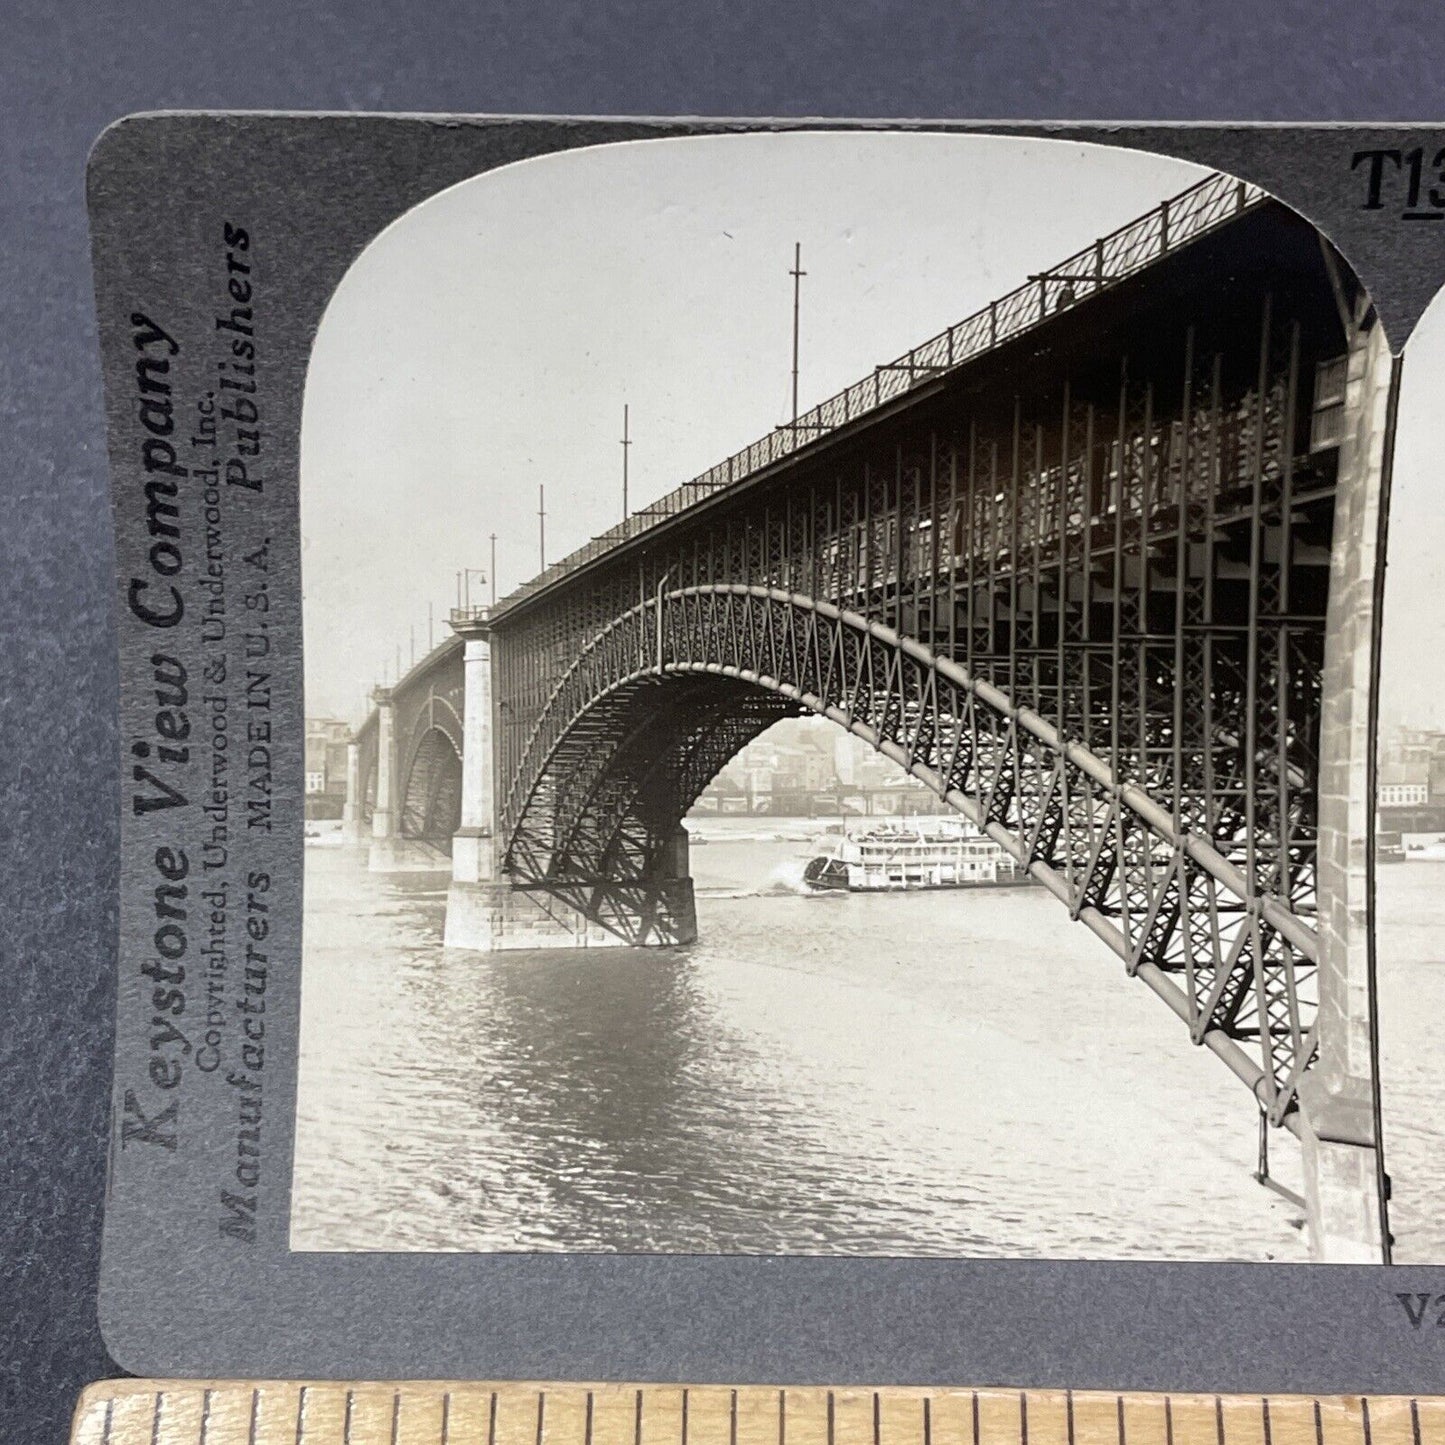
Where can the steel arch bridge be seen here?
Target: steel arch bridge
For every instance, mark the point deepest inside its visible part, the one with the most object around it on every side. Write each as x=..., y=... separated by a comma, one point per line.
x=1096, y=566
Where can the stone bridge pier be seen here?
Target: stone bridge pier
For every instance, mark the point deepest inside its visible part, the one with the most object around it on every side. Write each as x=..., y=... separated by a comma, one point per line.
x=386, y=844
x=486, y=911
x=353, y=826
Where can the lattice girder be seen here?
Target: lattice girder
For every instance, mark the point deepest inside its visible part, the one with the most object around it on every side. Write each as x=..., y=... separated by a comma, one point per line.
x=1100, y=843
x=1079, y=590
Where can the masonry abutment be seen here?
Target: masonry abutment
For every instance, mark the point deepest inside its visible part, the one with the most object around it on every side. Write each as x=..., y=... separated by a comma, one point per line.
x=1337, y=1096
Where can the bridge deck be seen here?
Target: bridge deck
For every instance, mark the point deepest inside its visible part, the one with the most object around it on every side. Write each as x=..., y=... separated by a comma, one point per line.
x=1111, y=259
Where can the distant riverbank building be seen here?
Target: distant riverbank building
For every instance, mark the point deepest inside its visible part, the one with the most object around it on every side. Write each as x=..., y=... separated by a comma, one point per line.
x=326, y=740
x=1410, y=789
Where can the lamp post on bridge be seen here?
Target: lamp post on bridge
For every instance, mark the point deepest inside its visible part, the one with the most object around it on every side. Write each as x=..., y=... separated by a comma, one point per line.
x=464, y=590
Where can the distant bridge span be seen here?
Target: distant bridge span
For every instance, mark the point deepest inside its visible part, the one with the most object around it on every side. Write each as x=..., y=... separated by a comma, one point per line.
x=1098, y=566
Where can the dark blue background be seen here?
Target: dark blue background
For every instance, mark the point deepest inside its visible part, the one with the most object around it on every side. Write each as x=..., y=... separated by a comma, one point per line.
x=66, y=71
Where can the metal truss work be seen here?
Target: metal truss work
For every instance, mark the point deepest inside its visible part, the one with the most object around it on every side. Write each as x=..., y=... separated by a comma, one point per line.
x=431, y=792
x=1082, y=598
x=1072, y=573
x=1101, y=845
x=608, y=804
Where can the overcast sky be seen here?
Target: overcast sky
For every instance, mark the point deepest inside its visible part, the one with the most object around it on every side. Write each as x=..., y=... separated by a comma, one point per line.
x=487, y=341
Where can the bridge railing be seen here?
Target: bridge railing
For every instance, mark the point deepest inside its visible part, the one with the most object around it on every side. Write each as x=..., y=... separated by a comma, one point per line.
x=460, y=617
x=1112, y=258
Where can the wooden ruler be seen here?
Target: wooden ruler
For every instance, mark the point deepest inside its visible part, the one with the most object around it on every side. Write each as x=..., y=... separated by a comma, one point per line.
x=197, y=1412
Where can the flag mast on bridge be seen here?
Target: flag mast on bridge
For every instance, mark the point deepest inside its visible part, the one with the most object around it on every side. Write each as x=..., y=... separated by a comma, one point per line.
x=797, y=273
x=626, y=444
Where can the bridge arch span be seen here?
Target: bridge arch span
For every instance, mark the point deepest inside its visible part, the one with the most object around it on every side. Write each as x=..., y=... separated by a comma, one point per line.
x=580, y=804
x=408, y=763
x=431, y=786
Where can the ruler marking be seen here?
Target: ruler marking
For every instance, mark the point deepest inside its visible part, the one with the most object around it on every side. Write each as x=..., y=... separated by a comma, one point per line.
x=115, y=1423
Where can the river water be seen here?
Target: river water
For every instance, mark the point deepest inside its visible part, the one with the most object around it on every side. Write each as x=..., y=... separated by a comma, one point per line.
x=951, y=1073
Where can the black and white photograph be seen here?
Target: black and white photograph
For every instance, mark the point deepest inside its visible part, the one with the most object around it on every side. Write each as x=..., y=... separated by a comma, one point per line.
x=839, y=717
